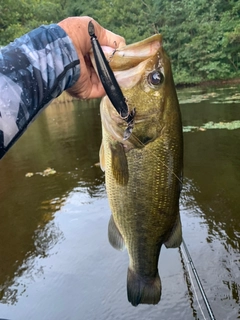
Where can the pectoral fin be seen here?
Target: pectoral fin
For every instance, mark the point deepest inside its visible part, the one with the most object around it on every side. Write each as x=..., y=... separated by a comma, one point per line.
x=114, y=236
x=102, y=157
x=119, y=164
x=175, y=239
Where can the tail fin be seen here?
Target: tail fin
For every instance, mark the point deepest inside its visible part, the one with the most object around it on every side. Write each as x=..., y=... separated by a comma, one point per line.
x=143, y=290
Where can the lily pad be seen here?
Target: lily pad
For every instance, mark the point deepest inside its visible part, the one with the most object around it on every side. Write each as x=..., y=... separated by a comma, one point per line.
x=48, y=172
x=232, y=125
x=44, y=173
x=29, y=174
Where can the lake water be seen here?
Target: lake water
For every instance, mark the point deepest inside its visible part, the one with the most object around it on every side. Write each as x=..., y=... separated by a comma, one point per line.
x=55, y=259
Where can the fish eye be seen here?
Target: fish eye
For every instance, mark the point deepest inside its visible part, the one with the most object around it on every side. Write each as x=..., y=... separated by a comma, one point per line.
x=155, y=78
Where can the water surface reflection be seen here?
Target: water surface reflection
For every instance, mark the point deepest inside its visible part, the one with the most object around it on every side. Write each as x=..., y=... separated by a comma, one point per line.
x=28, y=205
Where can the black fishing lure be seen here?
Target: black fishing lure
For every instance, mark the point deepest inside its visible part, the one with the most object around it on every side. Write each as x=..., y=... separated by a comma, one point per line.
x=110, y=84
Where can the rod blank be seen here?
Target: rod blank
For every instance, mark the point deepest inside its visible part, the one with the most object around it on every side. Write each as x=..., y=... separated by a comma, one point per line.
x=205, y=299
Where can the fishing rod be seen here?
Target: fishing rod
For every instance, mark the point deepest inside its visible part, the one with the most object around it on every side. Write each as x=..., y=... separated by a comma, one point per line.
x=205, y=299
x=190, y=288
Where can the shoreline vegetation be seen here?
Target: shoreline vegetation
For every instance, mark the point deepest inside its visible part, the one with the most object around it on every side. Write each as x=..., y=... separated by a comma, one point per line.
x=217, y=82
x=65, y=97
x=201, y=37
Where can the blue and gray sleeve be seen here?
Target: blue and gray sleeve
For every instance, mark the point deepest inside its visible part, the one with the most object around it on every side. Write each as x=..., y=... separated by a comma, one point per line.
x=34, y=70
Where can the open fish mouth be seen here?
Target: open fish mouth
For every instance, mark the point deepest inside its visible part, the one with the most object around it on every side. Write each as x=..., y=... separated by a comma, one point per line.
x=129, y=62
x=131, y=55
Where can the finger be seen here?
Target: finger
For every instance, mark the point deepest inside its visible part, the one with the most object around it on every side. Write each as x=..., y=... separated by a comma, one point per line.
x=95, y=87
x=97, y=90
x=108, y=38
x=113, y=40
x=91, y=86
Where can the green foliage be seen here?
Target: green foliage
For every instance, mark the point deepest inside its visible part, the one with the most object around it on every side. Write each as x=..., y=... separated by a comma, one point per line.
x=202, y=37
x=19, y=16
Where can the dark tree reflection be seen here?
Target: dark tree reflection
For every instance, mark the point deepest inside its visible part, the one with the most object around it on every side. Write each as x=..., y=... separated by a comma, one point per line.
x=66, y=137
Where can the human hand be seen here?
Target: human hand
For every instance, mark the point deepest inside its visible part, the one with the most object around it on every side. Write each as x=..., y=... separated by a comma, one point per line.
x=88, y=85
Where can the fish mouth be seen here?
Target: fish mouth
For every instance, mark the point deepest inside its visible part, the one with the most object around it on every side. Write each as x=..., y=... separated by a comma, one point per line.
x=129, y=62
x=131, y=55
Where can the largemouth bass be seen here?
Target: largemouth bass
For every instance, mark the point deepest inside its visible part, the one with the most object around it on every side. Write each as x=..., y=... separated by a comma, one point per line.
x=144, y=172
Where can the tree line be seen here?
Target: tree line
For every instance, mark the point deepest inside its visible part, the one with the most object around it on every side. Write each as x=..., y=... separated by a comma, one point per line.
x=201, y=37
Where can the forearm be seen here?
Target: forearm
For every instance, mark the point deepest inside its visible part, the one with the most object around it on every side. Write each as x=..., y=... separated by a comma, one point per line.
x=34, y=70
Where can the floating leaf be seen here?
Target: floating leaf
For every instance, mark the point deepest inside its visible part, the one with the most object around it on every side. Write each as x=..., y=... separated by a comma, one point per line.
x=196, y=98
x=48, y=171
x=232, y=125
x=29, y=174
x=45, y=173
x=97, y=164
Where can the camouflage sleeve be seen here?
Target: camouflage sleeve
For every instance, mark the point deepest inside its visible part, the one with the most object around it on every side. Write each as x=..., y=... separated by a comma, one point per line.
x=34, y=70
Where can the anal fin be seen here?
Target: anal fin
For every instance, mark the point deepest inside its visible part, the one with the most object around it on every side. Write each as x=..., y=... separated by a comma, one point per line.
x=175, y=238
x=114, y=236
